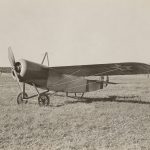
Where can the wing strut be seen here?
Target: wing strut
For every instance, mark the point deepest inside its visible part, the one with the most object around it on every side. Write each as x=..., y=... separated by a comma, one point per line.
x=45, y=56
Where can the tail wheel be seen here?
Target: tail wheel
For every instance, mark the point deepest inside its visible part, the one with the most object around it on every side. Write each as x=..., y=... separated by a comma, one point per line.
x=21, y=99
x=43, y=100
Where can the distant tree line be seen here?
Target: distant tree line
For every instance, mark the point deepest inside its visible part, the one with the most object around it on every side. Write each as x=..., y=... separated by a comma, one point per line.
x=5, y=69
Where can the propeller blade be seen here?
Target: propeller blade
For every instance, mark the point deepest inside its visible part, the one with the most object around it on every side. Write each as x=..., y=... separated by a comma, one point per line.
x=11, y=57
x=17, y=80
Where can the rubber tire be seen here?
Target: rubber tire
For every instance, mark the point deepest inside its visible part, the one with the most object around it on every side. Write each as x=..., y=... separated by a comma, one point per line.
x=20, y=98
x=43, y=100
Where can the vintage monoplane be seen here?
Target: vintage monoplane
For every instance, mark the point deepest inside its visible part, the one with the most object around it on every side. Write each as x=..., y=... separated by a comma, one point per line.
x=69, y=79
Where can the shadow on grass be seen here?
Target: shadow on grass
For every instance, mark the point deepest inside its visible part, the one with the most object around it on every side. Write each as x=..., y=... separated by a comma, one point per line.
x=117, y=99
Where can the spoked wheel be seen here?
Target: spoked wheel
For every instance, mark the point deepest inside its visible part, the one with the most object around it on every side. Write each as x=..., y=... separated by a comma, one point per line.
x=43, y=100
x=21, y=99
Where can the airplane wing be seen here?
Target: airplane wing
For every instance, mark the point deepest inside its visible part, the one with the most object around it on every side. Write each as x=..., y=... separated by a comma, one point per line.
x=128, y=68
x=5, y=70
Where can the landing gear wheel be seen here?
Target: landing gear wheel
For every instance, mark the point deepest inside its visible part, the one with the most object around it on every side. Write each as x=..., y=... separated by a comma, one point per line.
x=21, y=99
x=43, y=100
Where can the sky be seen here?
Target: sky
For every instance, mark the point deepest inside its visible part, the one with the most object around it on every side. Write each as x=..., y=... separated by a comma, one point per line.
x=75, y=32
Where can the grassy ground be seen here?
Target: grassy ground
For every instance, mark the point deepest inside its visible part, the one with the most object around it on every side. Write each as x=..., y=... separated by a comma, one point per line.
x=116, y=118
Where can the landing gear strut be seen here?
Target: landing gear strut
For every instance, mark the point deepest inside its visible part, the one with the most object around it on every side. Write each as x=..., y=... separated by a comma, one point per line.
x=43, y=98
x=22, y=97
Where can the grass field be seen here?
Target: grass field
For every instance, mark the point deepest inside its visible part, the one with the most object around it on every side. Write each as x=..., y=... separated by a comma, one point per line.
x=116, y=118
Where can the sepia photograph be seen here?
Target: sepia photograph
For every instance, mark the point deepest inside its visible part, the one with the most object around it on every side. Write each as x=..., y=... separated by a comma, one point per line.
x=74, y=75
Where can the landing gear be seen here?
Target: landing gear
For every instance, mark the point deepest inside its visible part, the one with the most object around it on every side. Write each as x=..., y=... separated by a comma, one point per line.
x=22, y=98
x=43, y=100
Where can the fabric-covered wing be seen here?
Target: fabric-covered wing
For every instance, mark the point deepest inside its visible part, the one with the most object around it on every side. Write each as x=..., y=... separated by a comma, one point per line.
x=128, y=68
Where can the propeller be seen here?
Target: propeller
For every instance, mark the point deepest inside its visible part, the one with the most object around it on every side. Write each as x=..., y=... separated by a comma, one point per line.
x=13, y=63
x=11, y=57
x=108, y=82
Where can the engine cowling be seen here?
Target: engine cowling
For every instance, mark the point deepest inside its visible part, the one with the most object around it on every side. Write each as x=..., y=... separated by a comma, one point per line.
x=31, y=72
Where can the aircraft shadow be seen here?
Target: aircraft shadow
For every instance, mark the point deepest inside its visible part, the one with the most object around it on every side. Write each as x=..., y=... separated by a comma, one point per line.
x=115, y=99
x=132, y=99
